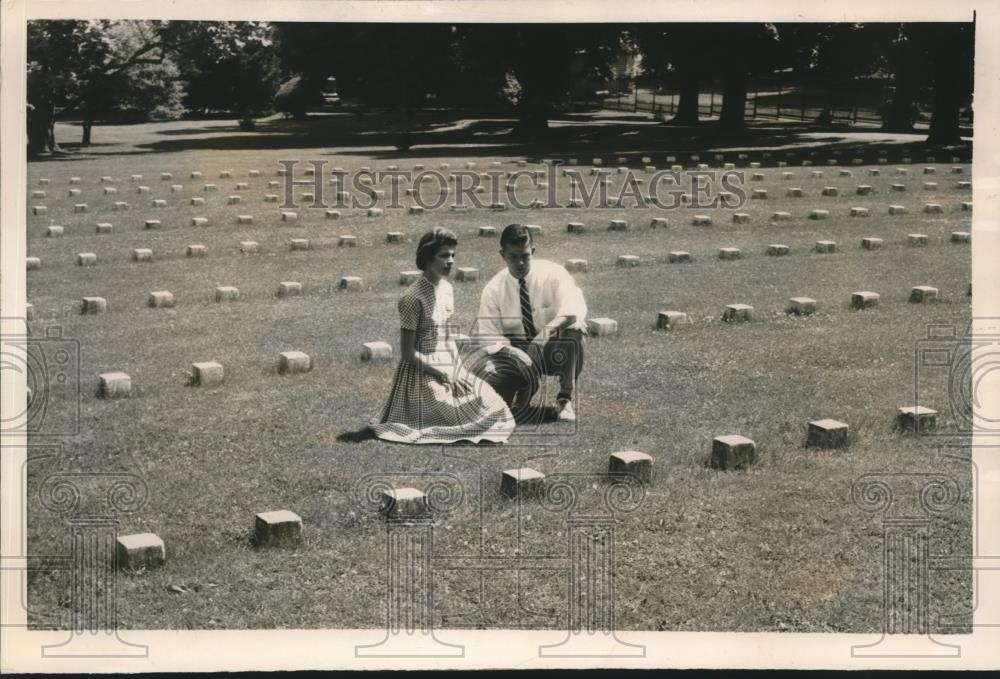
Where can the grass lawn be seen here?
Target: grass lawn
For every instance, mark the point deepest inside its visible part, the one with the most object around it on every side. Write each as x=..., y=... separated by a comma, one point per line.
x=780, y=546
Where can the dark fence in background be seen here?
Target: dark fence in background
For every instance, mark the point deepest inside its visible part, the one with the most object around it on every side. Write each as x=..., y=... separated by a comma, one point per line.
x=853, y=102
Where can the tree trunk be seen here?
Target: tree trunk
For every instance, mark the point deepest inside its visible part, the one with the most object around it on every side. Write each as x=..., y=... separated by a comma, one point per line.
x=37, y=131
x=51, y=137
x=534, y=119
x=535, y=106
x=734, y=100
x=87, y=126
x=952, y=84
x=945, y=117
x=542, y=67
x=900, y=113
x=687, y=107
x=41, y=128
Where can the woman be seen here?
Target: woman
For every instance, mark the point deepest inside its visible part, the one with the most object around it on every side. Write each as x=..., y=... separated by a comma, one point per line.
x=434, y=399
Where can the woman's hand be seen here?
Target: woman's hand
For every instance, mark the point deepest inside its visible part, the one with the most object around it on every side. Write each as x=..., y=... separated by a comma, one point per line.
x=465, y=378
x=442, y=376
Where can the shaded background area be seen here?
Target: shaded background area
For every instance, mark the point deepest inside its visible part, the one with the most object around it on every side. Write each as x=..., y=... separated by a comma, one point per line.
x=443, y=133
x=896, y=77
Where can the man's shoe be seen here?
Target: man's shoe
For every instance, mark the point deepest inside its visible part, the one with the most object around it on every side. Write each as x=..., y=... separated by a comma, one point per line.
x=566, y=412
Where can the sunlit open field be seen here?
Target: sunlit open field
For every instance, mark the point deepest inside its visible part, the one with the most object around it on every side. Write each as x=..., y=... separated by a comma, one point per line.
x=778, y=546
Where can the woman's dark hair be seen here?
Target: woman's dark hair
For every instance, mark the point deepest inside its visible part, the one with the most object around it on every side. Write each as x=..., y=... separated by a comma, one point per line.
x=431, y=242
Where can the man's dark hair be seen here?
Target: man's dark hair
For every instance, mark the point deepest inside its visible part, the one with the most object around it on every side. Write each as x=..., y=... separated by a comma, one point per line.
x=515, y=234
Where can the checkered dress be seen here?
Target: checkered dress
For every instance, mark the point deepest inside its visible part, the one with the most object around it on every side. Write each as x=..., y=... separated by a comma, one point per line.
x=422, y=410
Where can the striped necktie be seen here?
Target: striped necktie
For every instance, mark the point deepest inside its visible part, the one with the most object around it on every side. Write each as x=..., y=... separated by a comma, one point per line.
x=526, y=318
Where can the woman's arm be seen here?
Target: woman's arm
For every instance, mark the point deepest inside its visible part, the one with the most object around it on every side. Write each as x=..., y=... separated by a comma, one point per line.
x=410, y=311
x=409, y=353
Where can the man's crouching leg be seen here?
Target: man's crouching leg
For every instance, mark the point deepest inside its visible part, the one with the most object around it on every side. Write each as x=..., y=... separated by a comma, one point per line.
x=563, y=358
x=509, y=379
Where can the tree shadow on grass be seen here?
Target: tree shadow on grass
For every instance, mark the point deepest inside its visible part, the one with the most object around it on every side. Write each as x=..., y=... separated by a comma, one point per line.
x=450, y=134
x=792, y=142
x=207, y=129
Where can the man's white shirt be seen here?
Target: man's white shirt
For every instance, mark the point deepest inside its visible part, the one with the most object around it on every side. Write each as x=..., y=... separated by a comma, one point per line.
x=553, y=293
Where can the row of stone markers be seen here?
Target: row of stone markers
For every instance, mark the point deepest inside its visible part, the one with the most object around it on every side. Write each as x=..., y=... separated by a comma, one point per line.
x=774, y=250
x=575, y=227
x=147, y=551
x=471, y=274
x=578, y=228
x=816, y=214
x=468, y=274
x=605, y=175
x=726, y=198
x=728, y=452
x=798, y=306
x=165, y=299
x=539, y=175
x=309, y=170
x=829, y=191
x=791, y=192
x=284, y=528
x=206, y=374
x=860, y=189
x=623, y=163
x=731, y=451
x=720, y=157
x=871, y=172
x=228, y=293
x=734, y=451
x=756, y=194
x=118, y=384
x=742, y=313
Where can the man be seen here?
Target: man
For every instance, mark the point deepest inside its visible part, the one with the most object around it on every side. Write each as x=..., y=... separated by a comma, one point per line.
x=531, y=322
